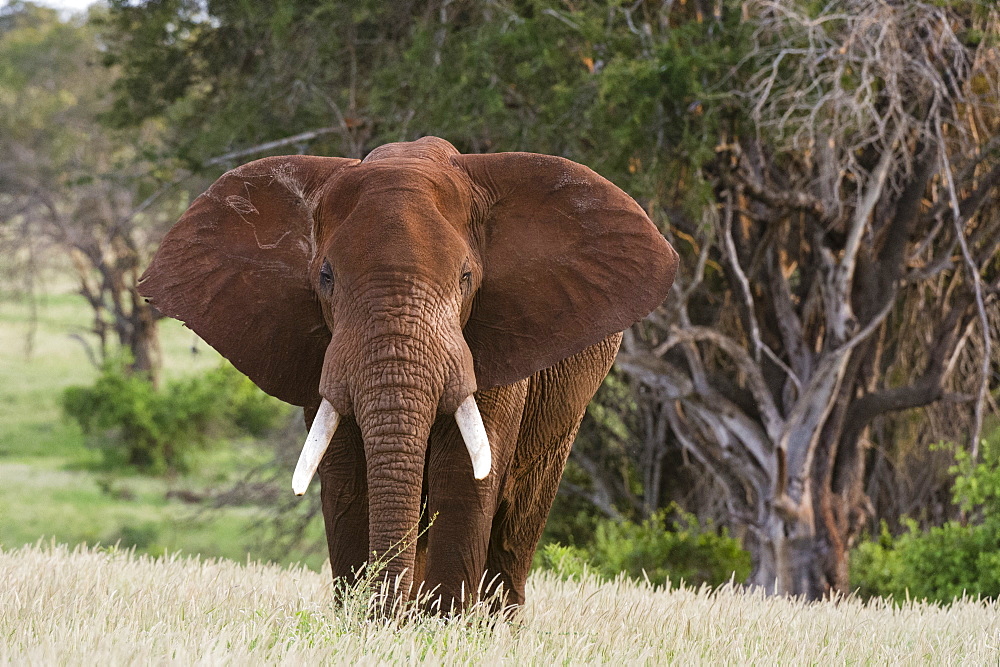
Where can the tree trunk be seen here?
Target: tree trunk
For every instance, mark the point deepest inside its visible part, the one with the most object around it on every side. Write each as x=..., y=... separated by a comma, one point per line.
x=792, y=480
x=108, y=271
x=144, y=342
x=784, y=556
x=806, y=552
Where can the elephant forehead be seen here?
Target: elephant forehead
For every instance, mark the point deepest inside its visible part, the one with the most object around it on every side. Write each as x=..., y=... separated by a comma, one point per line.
x=402, y=186
x=393, y=230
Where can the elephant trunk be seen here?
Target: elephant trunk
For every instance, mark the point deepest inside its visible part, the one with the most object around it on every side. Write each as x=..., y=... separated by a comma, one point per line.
x=395, y=381
x=395, y=420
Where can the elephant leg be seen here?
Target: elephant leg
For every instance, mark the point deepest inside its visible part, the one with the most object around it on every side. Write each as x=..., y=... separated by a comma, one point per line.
x=345, y=501
x=420, y=558
x=460, y=507
x=520, y=520
x=556, y=401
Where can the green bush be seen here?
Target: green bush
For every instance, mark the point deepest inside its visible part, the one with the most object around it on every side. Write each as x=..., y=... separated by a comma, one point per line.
x=943, y=562
x=568, y=562
x=658, y=549
x=142, y=536
x=663, y=550
x=132, y=423
x=939, y=564
x=246, y=407
x=875, y=567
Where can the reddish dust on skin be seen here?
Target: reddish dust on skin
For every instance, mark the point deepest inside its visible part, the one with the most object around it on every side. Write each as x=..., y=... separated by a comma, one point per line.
x=391, y=340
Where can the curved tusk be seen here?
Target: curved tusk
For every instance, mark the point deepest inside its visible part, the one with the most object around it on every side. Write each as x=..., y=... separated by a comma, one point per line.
x=323, y=427
x=470, y=423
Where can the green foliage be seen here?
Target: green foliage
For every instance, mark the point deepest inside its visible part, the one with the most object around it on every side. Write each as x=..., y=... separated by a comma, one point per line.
x=141, y=536
x=940, y=564
x=665, y=550
x=876, y=567
x=658, y=549
x=155, y=430
x=568, y=562
x=661, y=110
x=948, y=561
x=578, y=81
x=248, y=408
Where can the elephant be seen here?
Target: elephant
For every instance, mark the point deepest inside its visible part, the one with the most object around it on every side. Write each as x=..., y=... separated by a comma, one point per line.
x=442, y=318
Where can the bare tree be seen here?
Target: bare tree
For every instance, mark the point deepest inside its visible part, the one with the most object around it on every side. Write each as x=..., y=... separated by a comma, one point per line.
x=90, y=199
x=72, y=189
x=856, y=236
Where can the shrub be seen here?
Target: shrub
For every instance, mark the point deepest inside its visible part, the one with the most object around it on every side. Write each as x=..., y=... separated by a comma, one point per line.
x=658, y=549
x=134, y=424
x=663, y=550
x=939, y=564
x=947, y=561
x=875, y=567
x=142, y=537
x=568, y=562
x=248, y=408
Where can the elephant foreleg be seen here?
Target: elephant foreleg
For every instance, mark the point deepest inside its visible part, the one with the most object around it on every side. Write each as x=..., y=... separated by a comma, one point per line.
x=556, y=401
x=345, y=501
x=521, y=517
x=460, y=507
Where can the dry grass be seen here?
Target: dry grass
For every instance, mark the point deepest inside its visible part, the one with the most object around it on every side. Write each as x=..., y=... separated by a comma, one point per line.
x=88, y=606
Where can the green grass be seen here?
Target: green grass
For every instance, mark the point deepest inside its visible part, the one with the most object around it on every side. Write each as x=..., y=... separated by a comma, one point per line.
x=40, y=356
x=37, y=360
x=40, y=502
x=51, y=483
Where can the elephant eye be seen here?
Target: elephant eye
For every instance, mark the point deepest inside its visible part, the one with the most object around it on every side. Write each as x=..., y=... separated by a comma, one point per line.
x=326, y=276
x=465, y=284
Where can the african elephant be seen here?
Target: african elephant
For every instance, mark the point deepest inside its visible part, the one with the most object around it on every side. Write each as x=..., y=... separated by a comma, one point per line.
x=425, y=308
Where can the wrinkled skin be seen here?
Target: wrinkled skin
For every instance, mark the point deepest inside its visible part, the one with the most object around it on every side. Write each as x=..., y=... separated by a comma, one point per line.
x=396, y=287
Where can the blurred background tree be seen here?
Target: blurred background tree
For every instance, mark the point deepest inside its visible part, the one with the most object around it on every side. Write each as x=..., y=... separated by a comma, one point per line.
x=73, y=190
x=827, y=171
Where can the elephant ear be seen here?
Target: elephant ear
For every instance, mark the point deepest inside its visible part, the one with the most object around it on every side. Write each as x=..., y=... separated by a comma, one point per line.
x=235, y=269
x=568, y=259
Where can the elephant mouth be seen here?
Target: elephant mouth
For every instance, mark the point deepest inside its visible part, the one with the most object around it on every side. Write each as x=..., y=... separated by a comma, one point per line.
x=467, y=416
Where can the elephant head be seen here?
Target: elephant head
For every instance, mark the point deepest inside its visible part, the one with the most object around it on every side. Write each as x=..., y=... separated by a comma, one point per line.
x=392, y=289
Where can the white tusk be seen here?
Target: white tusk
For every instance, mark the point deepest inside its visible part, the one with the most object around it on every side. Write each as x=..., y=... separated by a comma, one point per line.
x=470, y=423
x=323, y=427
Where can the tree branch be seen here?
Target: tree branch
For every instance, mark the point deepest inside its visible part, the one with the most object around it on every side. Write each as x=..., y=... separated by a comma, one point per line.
x=770, y=416
x=267, y=146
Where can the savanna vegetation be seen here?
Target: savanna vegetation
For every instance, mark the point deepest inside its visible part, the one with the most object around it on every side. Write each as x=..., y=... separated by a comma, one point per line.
x=58, y=483
x=113, y=606
x=812, y=411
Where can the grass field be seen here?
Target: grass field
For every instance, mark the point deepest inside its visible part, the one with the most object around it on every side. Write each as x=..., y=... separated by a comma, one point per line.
x=111, y=607
x=50, y=486
x=40, y=355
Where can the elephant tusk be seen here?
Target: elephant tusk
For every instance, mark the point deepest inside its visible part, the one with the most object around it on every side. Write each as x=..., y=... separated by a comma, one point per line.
x=323, y=427
x=470, y=423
